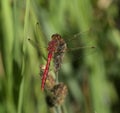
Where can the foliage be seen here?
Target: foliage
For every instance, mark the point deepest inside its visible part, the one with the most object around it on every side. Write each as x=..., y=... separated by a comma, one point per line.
x=93, y=81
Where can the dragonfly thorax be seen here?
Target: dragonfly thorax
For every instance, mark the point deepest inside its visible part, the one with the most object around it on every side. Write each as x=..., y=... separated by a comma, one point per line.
x=56, y=44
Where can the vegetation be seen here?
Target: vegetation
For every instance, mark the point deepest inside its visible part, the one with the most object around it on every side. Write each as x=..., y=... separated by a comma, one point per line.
x=92, y=81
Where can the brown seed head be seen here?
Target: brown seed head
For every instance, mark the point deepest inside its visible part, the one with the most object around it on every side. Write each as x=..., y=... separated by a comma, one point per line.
x=58, y=94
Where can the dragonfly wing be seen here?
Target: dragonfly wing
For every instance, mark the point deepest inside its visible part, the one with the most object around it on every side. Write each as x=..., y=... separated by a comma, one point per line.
x=38, y=48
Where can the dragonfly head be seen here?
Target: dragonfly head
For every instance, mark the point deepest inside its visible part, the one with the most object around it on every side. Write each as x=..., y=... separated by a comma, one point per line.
x=56, y=37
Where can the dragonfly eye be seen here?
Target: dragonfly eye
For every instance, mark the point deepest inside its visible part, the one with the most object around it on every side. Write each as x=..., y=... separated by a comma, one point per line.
x=56, y=36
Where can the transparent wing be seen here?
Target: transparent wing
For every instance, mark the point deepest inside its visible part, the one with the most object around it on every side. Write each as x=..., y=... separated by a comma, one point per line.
x=38, y=48
x=39, y=41
x=79, y=46
x=81, y=41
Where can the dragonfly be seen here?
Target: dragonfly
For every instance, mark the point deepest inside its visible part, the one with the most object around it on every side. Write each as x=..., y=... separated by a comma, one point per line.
x=56, y=50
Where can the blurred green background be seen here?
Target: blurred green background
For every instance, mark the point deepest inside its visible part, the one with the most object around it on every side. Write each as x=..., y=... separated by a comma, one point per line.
x=93, y=81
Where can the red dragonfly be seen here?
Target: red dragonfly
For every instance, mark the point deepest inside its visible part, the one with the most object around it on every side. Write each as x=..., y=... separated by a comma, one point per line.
x=56, y=49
